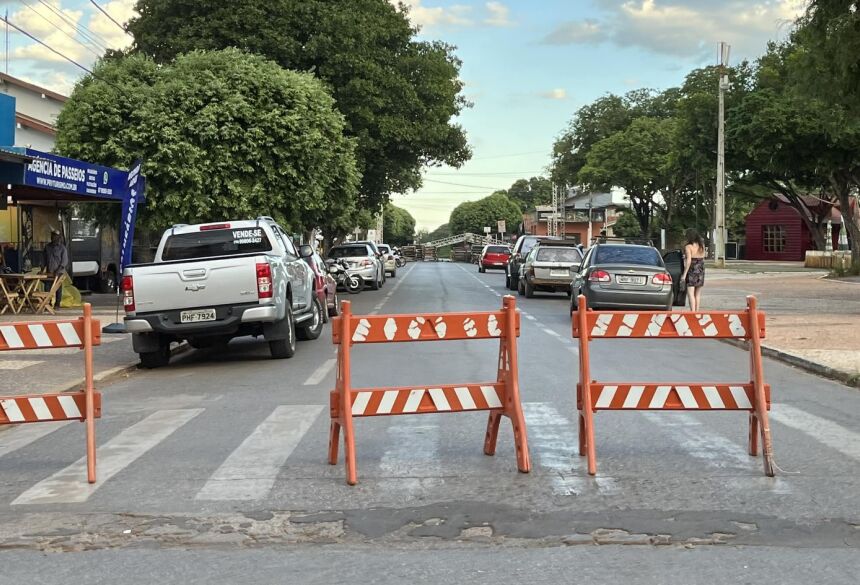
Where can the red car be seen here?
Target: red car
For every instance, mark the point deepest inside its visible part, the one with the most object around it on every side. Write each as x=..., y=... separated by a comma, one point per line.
x=493, y=257
x=325, y=286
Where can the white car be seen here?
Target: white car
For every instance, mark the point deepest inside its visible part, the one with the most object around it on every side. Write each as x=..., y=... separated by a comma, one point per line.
x=362, y=259
x=388, y=259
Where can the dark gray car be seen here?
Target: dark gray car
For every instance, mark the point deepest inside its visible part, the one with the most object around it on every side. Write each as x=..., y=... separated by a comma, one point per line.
x=522, y=247
x=623, y=276
x=548, y=267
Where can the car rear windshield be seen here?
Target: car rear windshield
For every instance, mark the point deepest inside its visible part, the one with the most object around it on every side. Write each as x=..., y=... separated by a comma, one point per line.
x=628, y=255
x=558, y=255
x=384, y=248
x=348, y=252
x=211, y=243
x=498, y=250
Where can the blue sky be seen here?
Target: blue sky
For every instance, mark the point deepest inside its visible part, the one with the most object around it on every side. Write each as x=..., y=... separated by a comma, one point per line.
x=527, y=65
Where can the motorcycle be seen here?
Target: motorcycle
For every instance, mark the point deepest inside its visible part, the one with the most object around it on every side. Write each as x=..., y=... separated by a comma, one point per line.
x=350, y=281
x=398, y=259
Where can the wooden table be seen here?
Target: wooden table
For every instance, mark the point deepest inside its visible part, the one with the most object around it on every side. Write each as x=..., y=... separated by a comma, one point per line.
x=26, y=285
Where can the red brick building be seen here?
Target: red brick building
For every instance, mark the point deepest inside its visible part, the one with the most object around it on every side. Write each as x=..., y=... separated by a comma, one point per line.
x=578, y=208
x=776, y=231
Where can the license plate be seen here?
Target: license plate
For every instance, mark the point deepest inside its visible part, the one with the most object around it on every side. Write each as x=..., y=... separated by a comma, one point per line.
x=197, y=316
x=561, y=273
x=621, y=279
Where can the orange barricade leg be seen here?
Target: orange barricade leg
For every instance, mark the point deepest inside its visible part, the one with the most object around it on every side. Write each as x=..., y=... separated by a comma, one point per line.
x=333, y=442
x=492, y=433
x=90, y=402
x=760, y=414
x=586, y=430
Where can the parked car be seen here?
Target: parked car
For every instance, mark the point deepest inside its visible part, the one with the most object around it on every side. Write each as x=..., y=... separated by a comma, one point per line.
x=325, y=286
x=363, y=259
x=493, y=256
x=376, y=251
x=522, y=247
x=94, y=252
x=388, y=259
x=622, y=276
x=212, y=282
x=549, y=266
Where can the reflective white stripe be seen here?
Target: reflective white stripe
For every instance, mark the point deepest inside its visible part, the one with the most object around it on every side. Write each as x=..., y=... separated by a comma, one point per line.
x=493, y=326
x=660, y=396
x=737, y=326
x=13, y=340
x=629, y=321
x=439, y=399
x=708, y=327
x=360, y=402
x=606, y=396
x=465, y=398
x=13, y=413
x=656, y=325
x=387, y=402
x=414, y=400
x=632, y=400
x=681, y=325
x=70, y=408
x=40, y=335
x=40, y=408
x=390, y=328
x=601, y=325
x=740, y=396
x=687, y=398
x=713, y=396
x=70, y=335
x=491, y=396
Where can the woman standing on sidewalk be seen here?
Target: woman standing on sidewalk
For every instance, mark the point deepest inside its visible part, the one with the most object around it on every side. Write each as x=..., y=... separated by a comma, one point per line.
x=694, y=268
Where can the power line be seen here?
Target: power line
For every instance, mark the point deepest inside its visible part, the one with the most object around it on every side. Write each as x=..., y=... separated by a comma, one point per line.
x=511, y=174
x=56, y=26
x=105, y=12
x=462, y=185
x=510, y=155
x=82, y=30
x=53, y=50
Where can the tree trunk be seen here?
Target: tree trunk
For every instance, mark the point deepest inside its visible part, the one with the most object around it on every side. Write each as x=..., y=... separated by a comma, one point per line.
x=850, y=220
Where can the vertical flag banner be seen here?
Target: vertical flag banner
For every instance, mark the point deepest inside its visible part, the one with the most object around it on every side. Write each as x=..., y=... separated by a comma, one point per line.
x=129, y=214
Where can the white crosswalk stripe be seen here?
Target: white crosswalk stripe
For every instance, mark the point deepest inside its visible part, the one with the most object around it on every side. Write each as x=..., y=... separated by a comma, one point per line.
x=250, y=471
x=70, y=484
x=829, y=433
x=21, y=436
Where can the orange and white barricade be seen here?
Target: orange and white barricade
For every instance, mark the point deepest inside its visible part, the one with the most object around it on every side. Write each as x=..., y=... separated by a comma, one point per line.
x=752, y=396
x=500, y=397
x=84, y=405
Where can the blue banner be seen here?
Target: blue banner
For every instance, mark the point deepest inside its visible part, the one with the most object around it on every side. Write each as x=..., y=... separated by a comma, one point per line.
x=49, y=171
x=134, y=188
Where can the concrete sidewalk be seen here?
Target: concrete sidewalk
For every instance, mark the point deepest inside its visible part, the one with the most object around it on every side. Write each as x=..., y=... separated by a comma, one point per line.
x=38, y=371
x=813, y=321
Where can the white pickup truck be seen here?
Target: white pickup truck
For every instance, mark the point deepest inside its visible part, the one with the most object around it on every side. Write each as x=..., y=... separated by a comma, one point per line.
x=212, y=282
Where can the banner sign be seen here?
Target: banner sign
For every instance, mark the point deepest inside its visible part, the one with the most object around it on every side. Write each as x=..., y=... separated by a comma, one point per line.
x=49, y=171
x=134, y=189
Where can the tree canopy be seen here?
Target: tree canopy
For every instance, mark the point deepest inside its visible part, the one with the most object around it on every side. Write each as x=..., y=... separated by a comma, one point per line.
x=223, y=134
x=530, y=192
x=474, y=216
x=398, y=226
x=399, y=95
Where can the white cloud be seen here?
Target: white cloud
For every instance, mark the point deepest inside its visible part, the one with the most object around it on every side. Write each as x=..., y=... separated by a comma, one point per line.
x=121, y=11
x=54, y=32
x=499, y=14
x=684, y=28
x=554, y=94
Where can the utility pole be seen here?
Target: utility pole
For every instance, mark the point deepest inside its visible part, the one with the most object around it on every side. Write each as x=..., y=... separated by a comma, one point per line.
x=720, y=200
x=552, y=224
x=590, y=205
x=379, y=224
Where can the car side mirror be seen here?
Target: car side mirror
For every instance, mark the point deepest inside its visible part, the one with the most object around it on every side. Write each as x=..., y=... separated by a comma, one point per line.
x=305, y=251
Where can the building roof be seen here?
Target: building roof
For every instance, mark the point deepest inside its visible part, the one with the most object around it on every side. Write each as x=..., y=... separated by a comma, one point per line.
x=594, y=200
x=32, y=87
x=35, y=124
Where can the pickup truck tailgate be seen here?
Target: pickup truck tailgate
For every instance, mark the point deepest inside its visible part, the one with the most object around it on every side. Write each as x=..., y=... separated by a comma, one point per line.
x=186, y=285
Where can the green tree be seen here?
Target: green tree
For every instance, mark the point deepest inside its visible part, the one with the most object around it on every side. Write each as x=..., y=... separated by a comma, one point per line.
x=637, y=159
x=627, y=226
x=473, y=216
x=223, y=134
x=443, y=231
x=398, y=226
x=398, y=95
x=530, y=192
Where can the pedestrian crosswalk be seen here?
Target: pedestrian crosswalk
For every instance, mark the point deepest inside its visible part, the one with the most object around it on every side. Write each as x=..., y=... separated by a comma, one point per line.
x=411, y=456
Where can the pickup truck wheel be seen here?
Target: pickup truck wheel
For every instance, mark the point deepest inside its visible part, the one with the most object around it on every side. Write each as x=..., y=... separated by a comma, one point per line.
x=376, y=284
x=529, y=289
x=334, y=311
x=520, y=288
x=315, y=324
x=285, y=348
x=156, y=359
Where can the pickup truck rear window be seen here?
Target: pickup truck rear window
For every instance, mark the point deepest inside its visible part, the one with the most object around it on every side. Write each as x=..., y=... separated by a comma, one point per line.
x=210, y=244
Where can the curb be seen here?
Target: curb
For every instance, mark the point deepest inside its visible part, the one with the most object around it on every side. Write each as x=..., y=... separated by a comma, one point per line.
x=851, y=380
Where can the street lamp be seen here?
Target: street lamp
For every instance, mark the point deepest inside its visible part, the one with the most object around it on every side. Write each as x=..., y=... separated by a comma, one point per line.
x=720, y=200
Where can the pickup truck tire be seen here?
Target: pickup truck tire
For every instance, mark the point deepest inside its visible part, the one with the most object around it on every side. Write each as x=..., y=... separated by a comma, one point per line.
x=529, y=289
x=520, y=288
x=107, y=283
x=156, y=359
x=376, y=284
x=334, y=311
x=315, y=324
x=285, y=348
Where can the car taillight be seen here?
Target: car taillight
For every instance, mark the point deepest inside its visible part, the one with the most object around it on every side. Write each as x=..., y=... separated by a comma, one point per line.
x=215, y=226
x=599, y=276
x=127, y=287
x=662, y=279
x=366, y=263
x=264, y=281
x=531, y=270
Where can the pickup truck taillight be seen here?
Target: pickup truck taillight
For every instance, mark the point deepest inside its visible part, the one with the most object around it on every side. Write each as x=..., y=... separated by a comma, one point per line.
x=127, y=287
x=264, y=281
x=367, y=262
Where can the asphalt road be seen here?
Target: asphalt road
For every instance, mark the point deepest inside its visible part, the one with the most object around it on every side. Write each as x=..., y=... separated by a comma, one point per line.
x=221, y=457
